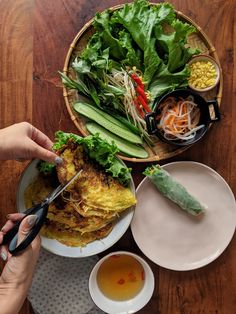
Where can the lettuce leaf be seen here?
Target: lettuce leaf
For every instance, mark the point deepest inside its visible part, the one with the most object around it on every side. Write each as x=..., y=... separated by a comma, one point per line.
x=174, y=44
x=140, y=19
x=102, y=25
x=164, y=81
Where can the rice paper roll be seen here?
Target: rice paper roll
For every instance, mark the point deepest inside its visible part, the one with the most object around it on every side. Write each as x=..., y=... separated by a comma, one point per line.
x=173, y=190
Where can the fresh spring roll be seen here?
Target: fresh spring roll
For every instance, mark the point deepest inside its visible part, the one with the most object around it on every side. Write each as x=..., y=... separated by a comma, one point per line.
x=173, y=190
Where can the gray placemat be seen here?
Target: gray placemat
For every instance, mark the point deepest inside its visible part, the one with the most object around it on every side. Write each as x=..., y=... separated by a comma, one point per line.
x=60, y=285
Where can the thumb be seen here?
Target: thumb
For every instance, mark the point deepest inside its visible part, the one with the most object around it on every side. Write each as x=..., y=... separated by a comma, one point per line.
x=44, y=154
x=25, y=226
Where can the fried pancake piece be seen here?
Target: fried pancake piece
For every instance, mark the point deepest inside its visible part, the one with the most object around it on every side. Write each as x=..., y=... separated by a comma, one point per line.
x=98, y=190
x=54, y=230
x=67, y=215
x=38, y=190
x=87, y=211
x=94, y=187
x=73, y=161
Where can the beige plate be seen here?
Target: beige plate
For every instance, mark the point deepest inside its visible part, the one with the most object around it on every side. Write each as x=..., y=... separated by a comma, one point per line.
x=174, y=239
x=160, y=150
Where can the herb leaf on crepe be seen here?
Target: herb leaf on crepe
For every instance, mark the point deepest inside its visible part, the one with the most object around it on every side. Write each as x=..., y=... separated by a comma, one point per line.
x=45, y=167
x=99, y=150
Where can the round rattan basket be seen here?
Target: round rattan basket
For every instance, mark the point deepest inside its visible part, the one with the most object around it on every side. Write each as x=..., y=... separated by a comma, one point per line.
x=160, y=150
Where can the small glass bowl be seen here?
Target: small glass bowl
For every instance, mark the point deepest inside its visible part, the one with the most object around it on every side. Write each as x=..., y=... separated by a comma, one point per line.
x=128, y=306
x=216, y=66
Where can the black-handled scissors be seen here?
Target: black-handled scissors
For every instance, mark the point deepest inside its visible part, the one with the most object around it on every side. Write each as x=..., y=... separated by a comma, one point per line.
x=41, y=210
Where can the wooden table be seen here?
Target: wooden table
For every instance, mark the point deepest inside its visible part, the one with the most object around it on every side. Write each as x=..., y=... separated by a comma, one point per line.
x=34, y=38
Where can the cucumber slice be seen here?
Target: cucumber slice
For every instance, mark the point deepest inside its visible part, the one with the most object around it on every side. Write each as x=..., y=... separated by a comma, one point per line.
x=111, y=124
x=128, y=124
x=123, y=145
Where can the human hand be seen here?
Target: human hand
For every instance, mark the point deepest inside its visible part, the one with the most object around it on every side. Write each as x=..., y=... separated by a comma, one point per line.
x=17, y=274
x=24, y=141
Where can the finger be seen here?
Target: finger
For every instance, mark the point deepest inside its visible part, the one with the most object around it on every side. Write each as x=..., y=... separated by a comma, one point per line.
x=36, y=244
x=44, y=154
x=25, y=226
x=41, y=139
x=15, y=216
x=8, y=226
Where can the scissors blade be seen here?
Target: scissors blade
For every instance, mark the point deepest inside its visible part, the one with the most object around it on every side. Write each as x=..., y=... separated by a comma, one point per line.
x=62, y=187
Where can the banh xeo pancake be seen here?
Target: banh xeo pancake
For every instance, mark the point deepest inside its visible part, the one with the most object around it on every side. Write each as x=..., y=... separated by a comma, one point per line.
x=88, y=209
x=39, y=190
x=70, y=237
x=95, y=187
x=67, y=215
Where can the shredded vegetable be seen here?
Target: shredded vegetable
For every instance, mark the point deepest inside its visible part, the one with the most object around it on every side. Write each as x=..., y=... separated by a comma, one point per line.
x=134, y=98
x=179, y=118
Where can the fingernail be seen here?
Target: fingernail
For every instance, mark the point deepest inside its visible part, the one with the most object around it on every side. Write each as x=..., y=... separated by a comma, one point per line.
x=3, y=228
x=3, y=256
x=58, y=160
x=8, y=216
x=32, y=219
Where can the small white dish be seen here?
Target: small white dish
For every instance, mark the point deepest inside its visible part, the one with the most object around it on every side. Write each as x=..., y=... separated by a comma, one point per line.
x=216, y=66
x=174, y=239
x=122, y=307
x=58, y=248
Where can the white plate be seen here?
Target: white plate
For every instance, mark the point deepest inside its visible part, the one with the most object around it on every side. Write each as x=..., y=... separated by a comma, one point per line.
x=171, y=237
x=58, y=248
x=122, y=307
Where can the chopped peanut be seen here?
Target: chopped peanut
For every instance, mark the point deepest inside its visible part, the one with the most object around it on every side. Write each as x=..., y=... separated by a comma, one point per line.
x=203, y=74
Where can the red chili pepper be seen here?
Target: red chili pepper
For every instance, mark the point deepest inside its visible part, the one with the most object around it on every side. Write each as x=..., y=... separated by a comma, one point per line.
x=143, y=103
x=121, y=281
x=138, y=107
x=141, y=92
x=137, y=80
x=132, y=277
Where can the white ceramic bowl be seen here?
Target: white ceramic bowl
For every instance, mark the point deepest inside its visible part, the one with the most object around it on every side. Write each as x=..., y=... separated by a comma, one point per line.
x=216, y=66
x=129, y=306
x=92, y=248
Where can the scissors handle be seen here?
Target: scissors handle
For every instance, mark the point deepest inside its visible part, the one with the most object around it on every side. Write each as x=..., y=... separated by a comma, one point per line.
x=12, y=235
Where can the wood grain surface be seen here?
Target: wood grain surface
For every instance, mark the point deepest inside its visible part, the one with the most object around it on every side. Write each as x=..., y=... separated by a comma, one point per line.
x=34, y=39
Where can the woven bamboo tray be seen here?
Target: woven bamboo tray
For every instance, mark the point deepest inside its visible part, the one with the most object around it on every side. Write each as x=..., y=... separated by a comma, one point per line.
x=160, y=150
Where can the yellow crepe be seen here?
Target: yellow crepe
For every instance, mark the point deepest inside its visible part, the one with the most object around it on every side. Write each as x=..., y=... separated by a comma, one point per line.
x=101, y=191
x=37, y=191
x=67, y=215
x=88, y=211
x=95, y=188
x=70, y=237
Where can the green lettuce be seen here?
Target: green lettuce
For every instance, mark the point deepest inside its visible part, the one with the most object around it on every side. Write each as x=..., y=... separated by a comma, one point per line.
x=140, y=20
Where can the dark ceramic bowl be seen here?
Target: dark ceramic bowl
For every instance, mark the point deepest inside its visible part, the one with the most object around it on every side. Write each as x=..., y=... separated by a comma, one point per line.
x=205, y=106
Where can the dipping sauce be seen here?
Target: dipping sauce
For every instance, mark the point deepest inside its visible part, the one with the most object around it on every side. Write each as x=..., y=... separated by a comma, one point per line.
x=120, y=277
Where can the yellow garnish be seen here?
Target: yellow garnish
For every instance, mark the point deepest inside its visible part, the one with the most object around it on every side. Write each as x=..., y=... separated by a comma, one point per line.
x=202, y=74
